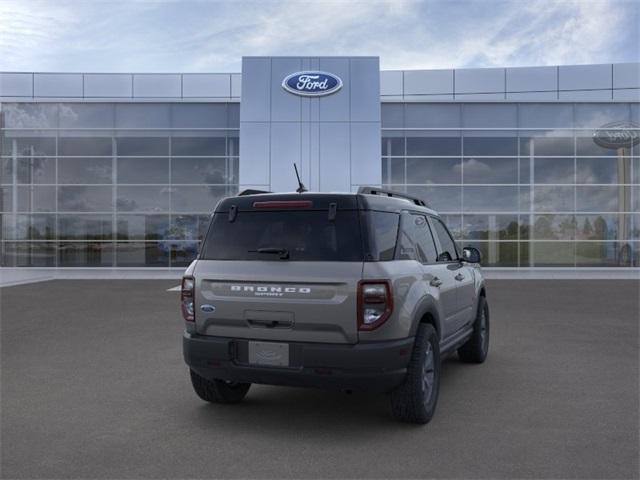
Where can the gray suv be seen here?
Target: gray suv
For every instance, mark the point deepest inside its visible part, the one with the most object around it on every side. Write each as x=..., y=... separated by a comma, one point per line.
x=355, y=291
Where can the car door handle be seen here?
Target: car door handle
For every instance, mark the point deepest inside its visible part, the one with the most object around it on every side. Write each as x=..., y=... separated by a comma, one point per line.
x=435, y=282
x=459, y=277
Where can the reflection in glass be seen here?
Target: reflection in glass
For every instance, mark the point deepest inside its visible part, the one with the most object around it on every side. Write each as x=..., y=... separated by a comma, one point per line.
x=29, y=146
x=36, y=170
x=142, y=170
x=490, y=146
x=85, y=199
x=603, y=170
x=36, y=199
x=392, y=146
x=200, y=146
x=442, y=199
x=183, y=253
x=553, y=170
x=85, y=170
x=142, y=227
x=543, y=146
x=552, y=254
x=197, y=199
x=85, y=227
x=143, y=199
x=189, y=227
x=490, y=199
x=602, y=198
x=490, y=170
x=79, y=254
x=433, y=146
x=142, y=146
x=606, y=254
x=496, y=254
x=29, y=227
x=554, y=227
x=553, y=199
x=84, y=146
x=490, y=227
x=29, y=254
x=433, y=170
x=141, y=254
x=201, y=170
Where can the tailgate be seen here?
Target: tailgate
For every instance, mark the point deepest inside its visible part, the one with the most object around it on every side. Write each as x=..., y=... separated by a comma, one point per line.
x=278, y=300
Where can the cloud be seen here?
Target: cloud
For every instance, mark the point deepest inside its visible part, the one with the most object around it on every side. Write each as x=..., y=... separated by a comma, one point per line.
x=144, y=36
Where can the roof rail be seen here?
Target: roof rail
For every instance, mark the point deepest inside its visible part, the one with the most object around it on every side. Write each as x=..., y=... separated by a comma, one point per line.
x=391, y=193
x=250, y=191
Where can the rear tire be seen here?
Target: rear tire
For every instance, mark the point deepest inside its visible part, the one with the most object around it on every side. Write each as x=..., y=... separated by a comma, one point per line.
x=218, y=391
x=475, y=350
x=415, y=400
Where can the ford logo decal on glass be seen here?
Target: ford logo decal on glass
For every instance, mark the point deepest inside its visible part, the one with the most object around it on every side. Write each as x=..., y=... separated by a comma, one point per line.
x=617, y=135
x=208, y=308
x=312, y=84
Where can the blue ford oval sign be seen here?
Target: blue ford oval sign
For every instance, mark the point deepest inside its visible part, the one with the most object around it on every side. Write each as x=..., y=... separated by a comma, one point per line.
x=312, y=84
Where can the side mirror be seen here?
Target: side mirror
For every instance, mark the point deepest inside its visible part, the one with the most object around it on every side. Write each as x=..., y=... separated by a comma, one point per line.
x=471, y=255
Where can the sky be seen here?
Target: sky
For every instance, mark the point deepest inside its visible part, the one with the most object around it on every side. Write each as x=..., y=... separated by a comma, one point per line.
x=212, y=36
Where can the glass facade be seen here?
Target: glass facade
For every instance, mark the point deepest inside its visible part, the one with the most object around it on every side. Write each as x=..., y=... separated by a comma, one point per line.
x=524, y=183
x=133, y=184
x=112, y=184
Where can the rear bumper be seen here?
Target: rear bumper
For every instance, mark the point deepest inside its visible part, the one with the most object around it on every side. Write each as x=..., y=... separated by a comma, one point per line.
x=374, y=366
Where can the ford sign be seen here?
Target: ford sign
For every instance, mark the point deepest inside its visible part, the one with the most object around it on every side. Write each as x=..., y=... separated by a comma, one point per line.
x=617, y=135
x=312, y=84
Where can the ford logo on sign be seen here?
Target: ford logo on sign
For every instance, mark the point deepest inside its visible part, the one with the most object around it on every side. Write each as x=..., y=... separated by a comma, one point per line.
x=312, y=84
x=617, y=135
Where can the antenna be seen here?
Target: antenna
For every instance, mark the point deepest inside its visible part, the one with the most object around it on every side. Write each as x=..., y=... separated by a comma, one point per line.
x=301, y=188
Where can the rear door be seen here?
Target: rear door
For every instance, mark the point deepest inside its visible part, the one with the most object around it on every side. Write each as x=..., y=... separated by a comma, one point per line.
x=282, y=275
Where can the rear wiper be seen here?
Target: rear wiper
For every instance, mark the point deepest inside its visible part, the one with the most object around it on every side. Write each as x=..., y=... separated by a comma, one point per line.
x=283, y=252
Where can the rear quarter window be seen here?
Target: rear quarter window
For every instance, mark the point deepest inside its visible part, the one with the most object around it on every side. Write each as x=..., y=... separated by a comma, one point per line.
x=383, y=234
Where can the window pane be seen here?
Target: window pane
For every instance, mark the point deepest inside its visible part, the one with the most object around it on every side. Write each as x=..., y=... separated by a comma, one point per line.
x=600, y=199
x=454, y=224
x=434, y=170
x=142, y=116
x=142, y=227
x=197, y=199
x=198, y=146
x=199, y=115
x=489, y=146
x=497, y=254
x=143, y=199
x=598, y=114
x=605, y=254
x=6, y=171
x=28, y=146
x=553, y=199
x=181, y=254
x=142, y=146
x=604, y=226
x=434, y=146
x=86, y=115
x=30, y=115
x=447, y=245
x=544, y=115
x=546, y=146
x=200, y=170
x=490, y=170
x=487, y=115
x=432, y=115
x=189, y=227
x=85, y=227
x=85, y=170
x=397, y=166
x=602, y=170
x=28, y=227
x=85, y=199
x=392, y=115
x=490, y=227
x=441, y=199
x=84, y=146
x=36, y=199
x=383, y=235
x=553, y=170
x=416, y=241
x=552, y=254
x=392, y=146
x=32, y=254
x=143, y=170
x=78, y=254
x=490, y=199
x=36, y=170
x=554, y=227
x=139, y=254
x=587, y=147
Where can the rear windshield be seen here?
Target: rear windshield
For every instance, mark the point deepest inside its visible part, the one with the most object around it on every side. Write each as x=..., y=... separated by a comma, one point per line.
x=284, y=236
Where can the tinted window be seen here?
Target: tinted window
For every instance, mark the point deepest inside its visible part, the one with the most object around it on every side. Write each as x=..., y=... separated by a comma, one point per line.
x=306, y=236
x=447, y=246
x=383, y=235
x=416, y=242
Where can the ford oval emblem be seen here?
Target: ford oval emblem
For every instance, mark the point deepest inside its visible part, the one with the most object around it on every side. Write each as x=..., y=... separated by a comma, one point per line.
x=617, y=135
x=312, y=84
x=208, y=308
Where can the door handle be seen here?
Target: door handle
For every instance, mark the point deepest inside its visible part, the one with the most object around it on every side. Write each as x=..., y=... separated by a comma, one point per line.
x=459, y=277
x=435, y=282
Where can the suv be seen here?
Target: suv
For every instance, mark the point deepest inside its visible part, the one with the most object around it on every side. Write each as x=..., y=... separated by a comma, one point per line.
x=355, y=291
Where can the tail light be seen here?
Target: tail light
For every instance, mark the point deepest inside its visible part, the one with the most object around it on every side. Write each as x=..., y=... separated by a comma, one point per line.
x=186, y=298
x=375, y=303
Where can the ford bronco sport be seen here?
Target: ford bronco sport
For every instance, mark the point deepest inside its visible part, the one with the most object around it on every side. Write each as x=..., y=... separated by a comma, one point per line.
x=355, y=291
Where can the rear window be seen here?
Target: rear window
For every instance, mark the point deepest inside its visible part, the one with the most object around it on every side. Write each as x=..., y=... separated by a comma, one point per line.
x=303, y=235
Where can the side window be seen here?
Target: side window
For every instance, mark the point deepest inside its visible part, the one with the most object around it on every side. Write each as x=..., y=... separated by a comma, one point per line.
x=384, y=233
x=416, y=242
x=447, y=251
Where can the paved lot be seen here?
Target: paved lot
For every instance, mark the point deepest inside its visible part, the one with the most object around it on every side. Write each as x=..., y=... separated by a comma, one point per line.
x=93, y=386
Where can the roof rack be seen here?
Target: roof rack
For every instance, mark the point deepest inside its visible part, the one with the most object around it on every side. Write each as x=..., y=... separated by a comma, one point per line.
x=391, y=193
x=250, y=191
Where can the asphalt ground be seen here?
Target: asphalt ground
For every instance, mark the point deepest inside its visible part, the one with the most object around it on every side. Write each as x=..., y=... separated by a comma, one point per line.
x=93, y=385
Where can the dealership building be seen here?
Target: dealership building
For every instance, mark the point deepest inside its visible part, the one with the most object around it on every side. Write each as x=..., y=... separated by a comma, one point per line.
x=537, y=167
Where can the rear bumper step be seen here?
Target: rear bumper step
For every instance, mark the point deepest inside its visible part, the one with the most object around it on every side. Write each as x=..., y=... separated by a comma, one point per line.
x=374, y=366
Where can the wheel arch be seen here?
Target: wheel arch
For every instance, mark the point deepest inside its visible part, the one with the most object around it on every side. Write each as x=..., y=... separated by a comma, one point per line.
x=427, y=313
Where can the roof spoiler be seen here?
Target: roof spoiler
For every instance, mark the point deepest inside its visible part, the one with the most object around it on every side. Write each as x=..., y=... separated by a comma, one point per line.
x=251, y=191
x=391, y=193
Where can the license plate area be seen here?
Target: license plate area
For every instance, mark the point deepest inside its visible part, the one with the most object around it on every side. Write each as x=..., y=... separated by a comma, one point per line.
x=269, y=353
